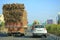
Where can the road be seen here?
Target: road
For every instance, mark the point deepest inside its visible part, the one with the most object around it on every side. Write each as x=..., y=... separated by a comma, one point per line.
x=28, y=36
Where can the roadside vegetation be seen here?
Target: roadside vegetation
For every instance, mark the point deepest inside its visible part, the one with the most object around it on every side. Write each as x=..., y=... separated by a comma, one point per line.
x=2, y=24
x=53, y=29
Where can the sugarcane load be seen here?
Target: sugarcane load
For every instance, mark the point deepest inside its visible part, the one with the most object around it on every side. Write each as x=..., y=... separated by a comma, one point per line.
x=15, y=17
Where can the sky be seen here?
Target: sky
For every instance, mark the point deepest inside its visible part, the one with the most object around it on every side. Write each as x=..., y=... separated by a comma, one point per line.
x=40, y=10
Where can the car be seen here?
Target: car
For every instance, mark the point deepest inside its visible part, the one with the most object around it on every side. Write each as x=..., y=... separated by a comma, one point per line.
x=39, y=30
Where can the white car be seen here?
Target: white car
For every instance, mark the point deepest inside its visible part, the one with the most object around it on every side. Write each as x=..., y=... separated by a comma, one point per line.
x=39, y=30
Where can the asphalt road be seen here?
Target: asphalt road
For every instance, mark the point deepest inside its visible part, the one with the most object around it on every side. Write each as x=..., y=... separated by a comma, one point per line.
x=28, y=36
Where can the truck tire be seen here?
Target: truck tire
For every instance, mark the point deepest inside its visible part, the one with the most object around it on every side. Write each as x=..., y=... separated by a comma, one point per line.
x=22, y=34
x=18, y=34
x=9, y=34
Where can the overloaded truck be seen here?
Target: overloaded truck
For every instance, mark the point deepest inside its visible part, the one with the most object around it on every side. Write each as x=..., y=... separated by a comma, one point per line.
x=15, y=17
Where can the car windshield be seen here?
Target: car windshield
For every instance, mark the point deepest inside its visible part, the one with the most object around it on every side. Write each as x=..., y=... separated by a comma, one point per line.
x=39, y=26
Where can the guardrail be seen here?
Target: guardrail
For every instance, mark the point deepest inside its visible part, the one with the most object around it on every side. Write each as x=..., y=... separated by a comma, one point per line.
x=54, y=37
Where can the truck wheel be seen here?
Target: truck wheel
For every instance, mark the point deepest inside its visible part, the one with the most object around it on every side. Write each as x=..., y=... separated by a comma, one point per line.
x=22, y=35
x=9, y=34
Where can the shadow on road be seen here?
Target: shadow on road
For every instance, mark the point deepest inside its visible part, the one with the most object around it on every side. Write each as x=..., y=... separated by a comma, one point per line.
x=36, y=36
x=29, y=36
x=3, y=35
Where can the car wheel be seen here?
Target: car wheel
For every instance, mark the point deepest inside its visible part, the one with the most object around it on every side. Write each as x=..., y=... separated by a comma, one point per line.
x=45, y=36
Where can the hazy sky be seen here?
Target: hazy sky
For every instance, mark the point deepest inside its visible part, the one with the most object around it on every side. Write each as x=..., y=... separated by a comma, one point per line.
x=37, y=9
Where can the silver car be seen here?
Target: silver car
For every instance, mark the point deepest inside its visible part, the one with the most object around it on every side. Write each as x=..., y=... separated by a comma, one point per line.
x=39, y=30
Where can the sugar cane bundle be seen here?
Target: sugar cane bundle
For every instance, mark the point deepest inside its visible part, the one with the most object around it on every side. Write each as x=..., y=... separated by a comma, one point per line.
x=13, y=6
x=14, y=13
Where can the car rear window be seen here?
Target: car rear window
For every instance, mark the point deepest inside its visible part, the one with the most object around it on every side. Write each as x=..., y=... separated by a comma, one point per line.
x=39, y=26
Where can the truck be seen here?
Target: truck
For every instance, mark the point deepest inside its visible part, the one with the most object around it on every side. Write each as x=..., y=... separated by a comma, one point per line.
x=15, y=17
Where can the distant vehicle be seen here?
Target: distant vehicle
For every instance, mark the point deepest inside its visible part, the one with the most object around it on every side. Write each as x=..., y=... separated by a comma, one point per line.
x=39, y=30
